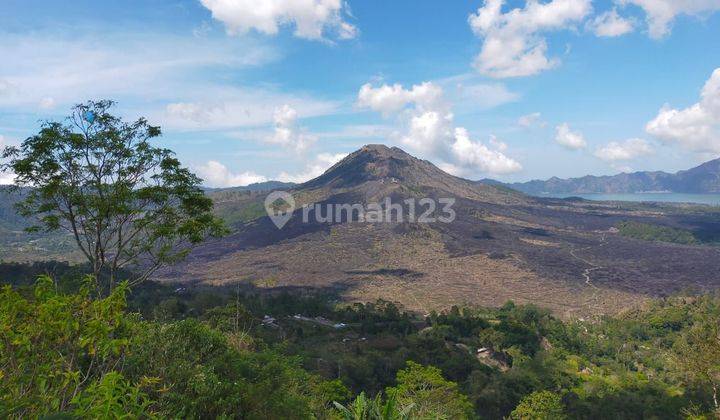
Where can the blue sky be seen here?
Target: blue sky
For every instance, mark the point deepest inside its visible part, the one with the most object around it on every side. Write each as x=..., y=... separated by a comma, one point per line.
x=280, y=89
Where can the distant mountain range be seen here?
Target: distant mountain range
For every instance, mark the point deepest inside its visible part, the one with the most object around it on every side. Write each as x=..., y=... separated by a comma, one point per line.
x=701, y=179
x=258, y=186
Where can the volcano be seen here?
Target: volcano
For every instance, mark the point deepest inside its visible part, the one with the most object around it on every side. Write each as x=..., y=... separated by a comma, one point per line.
x=566, y=255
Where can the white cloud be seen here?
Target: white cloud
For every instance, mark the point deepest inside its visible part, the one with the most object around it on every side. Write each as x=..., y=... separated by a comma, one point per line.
x=531, y=120
x=430, y=128
x=497, y=144
x=661, y=13
x=313, y=19
x=569, y=139
x=626, y=150
x=611, y=24
x=429, y=131
x=477, y=155
x=622, y=168
x=322, y=162
x=176, y=82
x=512, y=42
x=452, y=169
x=48, y=70
x=215, y=174
x=287, y=132
x=236, y=108
x=389, y=99
x=697, y=127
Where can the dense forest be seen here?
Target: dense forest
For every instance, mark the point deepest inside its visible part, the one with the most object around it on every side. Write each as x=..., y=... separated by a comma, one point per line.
x=161, y=351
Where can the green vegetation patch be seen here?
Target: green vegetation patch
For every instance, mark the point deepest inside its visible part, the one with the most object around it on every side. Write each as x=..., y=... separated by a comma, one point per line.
x=658, y=233
x=245, y=213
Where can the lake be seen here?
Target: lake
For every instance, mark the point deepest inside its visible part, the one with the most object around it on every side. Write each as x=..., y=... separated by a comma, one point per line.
x=709, y=199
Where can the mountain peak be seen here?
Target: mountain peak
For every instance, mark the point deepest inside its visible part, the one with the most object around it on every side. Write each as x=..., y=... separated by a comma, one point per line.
x=382, y=149
x=381, y=152
x=374, y=162
x=379, y=168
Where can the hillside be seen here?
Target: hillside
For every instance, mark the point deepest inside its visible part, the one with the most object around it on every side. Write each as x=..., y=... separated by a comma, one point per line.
x=18, y=245
x=563, y=254
x=701, y=179
x=257, y=186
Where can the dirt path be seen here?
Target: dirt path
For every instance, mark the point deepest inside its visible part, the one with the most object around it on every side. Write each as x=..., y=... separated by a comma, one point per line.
x=593, y=266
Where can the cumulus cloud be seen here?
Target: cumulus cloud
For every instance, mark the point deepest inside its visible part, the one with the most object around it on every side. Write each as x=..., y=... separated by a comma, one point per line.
x=660, y=14
x=388, y=99
x=430, y=128
x=314, y=169
x=696, y=127
x=611, y=24
x=497, y=144
x=513, y=45
x=531, y=120
x=477, y=155
x=287, y=132
x=215, y=174
x=569, y=139
x=429, y=131
x=313, y=19
x=626, y=150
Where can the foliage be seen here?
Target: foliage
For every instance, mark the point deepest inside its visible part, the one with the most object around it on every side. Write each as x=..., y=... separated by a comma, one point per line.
x=651, y=232
x=69, y=354
x=433, y=396
x=124, y=201
x=200, y=374
x=699, y=353
x=540, y=405
x=206, y=352
x=56, y=351
x=364, y=408
x=112, y=397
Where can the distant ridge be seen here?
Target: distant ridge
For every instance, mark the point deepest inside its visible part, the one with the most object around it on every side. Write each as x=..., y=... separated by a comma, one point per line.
x=702, y=179
x=257, y=186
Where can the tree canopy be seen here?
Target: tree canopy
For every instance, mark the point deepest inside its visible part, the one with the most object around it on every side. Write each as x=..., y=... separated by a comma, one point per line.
x=124, y=201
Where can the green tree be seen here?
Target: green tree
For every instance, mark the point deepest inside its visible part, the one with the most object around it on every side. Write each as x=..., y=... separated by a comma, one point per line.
x=364, y=408
x=698, y=353
x=432, y=396
x=125, y=202
x=540, y=405
x=201, y=376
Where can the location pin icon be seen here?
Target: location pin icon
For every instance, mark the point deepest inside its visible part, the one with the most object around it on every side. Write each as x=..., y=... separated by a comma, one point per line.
x=279, y=206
